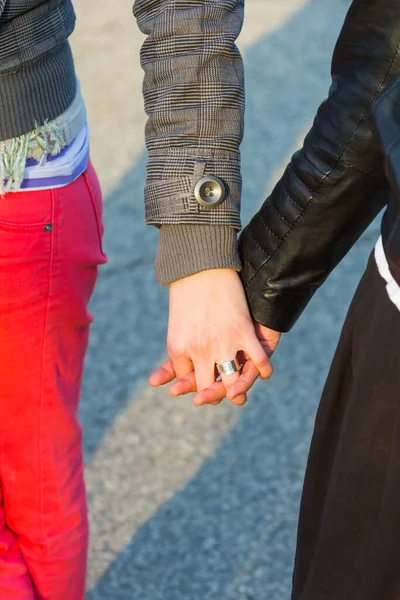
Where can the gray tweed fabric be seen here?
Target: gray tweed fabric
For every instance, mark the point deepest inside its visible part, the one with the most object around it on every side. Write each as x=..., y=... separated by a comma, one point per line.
x=194, y=98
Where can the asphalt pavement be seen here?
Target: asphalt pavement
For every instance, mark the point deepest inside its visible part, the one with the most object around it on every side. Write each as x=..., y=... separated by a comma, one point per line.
x=186, y=503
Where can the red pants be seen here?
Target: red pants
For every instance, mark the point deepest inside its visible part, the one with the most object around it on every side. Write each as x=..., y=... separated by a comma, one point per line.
x=50, y=247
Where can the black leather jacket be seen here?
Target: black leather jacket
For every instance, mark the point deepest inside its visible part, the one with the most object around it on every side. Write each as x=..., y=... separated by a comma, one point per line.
x=346, y=172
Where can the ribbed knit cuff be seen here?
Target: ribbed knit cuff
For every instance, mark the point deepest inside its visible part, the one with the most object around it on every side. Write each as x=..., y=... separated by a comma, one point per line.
x=38, y=91
x=186, y=249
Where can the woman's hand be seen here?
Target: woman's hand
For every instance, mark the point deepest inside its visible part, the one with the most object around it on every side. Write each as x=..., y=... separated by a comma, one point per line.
x=209, y=322
x=269, y=339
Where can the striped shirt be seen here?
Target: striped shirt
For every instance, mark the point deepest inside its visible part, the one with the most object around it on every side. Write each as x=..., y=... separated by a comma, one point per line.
x=59, y=170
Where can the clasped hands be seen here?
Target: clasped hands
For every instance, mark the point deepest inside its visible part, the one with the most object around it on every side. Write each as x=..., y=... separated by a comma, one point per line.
x=209, y=322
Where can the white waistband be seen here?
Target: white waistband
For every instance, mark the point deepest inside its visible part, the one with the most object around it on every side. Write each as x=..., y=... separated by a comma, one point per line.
x=393, y=288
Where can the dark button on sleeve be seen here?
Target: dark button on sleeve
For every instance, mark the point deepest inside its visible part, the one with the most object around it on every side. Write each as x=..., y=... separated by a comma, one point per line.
x=209, y=191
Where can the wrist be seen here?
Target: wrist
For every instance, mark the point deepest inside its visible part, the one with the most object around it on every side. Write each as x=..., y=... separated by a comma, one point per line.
x=209, y=275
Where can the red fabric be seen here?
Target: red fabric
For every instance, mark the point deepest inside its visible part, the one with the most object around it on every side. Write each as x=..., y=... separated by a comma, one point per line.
x=50, y=248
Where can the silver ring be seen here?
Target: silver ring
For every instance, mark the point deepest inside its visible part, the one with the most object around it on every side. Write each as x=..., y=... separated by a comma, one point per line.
x=228, y=367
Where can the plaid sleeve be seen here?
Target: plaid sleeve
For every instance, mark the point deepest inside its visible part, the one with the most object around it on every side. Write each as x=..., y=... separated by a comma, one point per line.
x=194, y=98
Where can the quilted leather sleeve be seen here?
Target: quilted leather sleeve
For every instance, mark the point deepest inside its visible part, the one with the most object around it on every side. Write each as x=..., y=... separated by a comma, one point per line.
x=334, y=185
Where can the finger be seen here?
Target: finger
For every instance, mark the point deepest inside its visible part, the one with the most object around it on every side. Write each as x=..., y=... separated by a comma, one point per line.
x=212, y=395
x=180, y=360
x=217, y=391
x=204, y=371
x=182, y=365
x=259, y=358
x=163, y=374
x=230, y=380
x=186, y=385
x=248, y=377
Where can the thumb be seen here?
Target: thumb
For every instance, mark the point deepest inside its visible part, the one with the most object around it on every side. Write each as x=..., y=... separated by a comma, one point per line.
x=269, y=338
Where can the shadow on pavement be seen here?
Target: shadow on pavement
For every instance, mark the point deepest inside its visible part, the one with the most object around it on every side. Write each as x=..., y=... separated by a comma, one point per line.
x=230, y=533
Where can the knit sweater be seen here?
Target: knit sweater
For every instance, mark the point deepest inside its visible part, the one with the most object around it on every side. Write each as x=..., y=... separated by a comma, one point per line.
x=189, y=122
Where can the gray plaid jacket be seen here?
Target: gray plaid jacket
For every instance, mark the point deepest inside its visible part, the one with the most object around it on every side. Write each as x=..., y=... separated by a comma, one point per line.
x=194, y=98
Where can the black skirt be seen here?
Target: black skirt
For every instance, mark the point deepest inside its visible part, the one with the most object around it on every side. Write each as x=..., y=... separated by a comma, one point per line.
x=348, y=545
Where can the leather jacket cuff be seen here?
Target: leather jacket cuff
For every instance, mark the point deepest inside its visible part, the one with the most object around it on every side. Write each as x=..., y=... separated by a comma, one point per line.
x=276, y=310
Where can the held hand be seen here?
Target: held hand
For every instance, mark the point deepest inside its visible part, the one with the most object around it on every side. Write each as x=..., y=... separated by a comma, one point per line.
x=269, y=339
x=209, y=322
